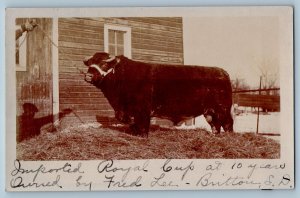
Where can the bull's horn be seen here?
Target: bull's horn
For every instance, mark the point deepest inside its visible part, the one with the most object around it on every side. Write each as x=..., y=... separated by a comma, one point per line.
x=86, y=60
x=111, y=58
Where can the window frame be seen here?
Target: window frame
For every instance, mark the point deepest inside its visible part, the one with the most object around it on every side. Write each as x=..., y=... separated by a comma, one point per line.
x=127, y=38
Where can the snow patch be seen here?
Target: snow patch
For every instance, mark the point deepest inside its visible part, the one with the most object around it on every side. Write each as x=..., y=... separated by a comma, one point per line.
x=244, y=122
x=84, y=126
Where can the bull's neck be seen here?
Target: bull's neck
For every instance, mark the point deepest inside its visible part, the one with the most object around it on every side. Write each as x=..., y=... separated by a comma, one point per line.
x=109, y=88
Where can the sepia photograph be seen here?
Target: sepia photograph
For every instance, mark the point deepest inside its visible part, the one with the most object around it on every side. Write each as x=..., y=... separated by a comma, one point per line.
x=125, y=92
x=156, y=87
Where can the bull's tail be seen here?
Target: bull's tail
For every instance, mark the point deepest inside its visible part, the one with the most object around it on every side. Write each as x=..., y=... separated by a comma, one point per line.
x=233, y=111
x=233, y=116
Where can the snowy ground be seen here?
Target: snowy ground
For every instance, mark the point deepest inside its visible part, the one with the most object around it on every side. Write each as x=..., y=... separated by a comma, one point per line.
x=246, y=122
x=267, y=123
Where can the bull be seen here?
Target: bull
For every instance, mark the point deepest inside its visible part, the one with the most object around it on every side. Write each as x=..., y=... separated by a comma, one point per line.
x=138, y=91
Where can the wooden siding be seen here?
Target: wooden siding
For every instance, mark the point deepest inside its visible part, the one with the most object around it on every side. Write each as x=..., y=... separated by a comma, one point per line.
x=153, y=39
x=35, y=84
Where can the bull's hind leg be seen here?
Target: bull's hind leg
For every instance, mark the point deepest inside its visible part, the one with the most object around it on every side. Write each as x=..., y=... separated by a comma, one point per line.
x=212, y=120
x=215, y=127
x=227, y=124
x=228, y=127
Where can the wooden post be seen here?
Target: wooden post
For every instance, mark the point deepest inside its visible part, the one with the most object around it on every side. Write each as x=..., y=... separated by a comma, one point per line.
x=55, y=75
x=257, y=123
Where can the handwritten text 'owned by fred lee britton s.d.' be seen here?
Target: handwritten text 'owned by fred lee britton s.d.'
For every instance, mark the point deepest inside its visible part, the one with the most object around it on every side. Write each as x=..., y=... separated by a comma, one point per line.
x=149, y=174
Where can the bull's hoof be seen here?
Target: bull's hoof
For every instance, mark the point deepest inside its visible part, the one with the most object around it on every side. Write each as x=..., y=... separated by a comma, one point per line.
x=140, y=134
x=215, y=131
x=130, y=131
x=143, y=135
x=228, y=128
x=133, y=130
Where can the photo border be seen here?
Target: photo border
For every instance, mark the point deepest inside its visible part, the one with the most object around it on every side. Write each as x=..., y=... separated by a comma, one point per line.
x=286, y=58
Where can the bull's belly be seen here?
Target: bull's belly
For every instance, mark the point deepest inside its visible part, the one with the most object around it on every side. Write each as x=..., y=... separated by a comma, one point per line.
x=178, y=105
x=177, y=112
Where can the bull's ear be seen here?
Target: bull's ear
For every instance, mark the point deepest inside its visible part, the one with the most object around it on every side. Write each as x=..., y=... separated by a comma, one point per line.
x=101, y=55
x=98, y=57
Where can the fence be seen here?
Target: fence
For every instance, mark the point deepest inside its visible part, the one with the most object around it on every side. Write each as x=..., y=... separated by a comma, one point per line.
x=268, y=102
x=263, y=100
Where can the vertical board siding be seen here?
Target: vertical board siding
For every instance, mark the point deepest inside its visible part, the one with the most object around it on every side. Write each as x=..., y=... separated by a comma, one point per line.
x=35, y=84
x=154, y=40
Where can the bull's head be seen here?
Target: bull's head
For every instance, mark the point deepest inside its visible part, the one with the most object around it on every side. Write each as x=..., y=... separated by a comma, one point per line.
x=100, y=64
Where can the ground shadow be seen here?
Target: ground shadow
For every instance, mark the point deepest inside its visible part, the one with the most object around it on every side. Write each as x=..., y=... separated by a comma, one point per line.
x=28, y=126
x=113, y=124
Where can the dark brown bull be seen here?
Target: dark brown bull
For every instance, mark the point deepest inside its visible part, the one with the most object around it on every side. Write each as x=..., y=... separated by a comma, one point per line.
x=138, y=91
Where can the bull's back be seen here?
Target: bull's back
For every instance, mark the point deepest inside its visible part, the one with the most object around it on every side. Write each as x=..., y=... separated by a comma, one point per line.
x=191, y=80
x=188, y=90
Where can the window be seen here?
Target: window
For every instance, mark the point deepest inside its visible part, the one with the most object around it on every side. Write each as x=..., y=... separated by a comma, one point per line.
x=117, y=40
x=20, y=51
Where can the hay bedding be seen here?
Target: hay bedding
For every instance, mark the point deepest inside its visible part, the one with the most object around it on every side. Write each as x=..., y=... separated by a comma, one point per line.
x=91, y=142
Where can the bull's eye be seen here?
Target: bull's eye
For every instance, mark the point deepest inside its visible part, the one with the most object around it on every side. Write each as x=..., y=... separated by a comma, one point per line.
x=104, y=66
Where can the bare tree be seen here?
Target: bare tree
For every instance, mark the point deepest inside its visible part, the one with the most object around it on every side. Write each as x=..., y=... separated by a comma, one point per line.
x=269, y=74
x=239, y=84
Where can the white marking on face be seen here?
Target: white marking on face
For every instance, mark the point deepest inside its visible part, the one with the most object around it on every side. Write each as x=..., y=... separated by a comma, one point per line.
x=98, y=69
x=103, y=73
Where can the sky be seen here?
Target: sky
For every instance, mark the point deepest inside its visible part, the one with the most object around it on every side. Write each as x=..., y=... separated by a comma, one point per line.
x=246, y=47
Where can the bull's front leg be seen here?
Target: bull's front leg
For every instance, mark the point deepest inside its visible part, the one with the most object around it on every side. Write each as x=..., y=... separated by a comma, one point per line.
x=141, y=123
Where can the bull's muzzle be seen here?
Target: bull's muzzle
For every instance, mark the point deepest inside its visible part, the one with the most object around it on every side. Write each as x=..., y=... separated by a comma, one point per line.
x=88, y=77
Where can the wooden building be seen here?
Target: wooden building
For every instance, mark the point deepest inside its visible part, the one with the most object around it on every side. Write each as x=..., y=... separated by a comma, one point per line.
x=58, y=46
x=34, y=68
x=147, y=39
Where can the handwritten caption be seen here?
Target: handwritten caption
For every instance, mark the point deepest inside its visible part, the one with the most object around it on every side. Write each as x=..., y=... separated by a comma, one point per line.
x=149, y=174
